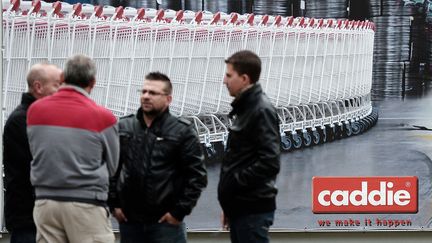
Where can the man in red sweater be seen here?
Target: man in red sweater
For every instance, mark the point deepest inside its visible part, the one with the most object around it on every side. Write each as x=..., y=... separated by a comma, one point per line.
x=75, y=149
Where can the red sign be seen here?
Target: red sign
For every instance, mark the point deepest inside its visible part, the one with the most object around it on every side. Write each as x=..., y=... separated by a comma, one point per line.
x=364, y=194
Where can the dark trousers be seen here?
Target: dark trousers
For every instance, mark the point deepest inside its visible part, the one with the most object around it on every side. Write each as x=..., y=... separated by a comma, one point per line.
x=152, y=233
x=251, y=228
x=23, y=235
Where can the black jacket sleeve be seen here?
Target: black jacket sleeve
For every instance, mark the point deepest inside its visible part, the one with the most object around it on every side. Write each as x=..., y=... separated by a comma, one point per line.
x=115, y=180
x=19, y=195
x=194, y=173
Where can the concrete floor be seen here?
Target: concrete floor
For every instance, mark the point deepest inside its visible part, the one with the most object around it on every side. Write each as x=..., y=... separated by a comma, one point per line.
x=302, y=237
x=394, y=147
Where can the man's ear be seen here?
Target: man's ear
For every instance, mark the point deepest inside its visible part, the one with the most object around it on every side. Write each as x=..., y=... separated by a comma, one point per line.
x=246, y=79
x=169, y=97
x=62, y=78
x=37, y=87
x=92, y=83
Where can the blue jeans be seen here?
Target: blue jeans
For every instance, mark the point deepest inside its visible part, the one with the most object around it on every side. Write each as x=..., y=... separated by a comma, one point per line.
x=152, y=233
x=251, y=228
x=23, y=235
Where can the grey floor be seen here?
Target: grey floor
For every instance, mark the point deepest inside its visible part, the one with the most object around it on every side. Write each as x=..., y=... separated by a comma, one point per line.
x=394, y=147
x=302, y=237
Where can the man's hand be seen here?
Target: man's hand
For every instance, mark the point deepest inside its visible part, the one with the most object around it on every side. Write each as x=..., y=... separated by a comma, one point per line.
x=169, y=219
x=119, y=215
x=224, y=222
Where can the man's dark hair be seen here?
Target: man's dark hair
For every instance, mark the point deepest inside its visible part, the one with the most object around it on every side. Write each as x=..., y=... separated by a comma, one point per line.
x=158, y=76
x=80, y=70
x=246, y=62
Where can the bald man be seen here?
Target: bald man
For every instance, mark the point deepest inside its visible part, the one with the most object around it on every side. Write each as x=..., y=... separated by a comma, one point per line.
x=43, y=79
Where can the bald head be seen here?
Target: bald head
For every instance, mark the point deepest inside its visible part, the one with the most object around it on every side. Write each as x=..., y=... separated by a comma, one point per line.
x=43, y=79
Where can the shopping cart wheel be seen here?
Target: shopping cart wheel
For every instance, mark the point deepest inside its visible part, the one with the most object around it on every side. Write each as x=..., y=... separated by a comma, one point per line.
x=297, y=140
x=375, y=120
x=372, y=117
x=355, y=127
x=330, y=133
x=337, y=129
x=371, y=120
x=374, y=113
x=307, y=139
x=363, y=126
x=367, y=123
x=210, y=150
x=316, y=137
x=286, y=143
x=375, y=116
x=323, y=133
x=367, y=120
x=347, y=129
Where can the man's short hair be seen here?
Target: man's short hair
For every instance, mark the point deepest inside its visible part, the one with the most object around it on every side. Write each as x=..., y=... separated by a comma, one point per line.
x=246, y=62
x=80, y=70
x=158, y=76
x=37, y=72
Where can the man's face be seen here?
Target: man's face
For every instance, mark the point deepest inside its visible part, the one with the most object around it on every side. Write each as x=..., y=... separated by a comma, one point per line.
x=52, y=81
x=154, y=98
x=234, y=82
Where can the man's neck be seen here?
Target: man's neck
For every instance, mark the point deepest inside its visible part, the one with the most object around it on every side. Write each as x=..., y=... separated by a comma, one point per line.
x=88, y=89
x=244, y=89
x=148, y=120
x=32, y=93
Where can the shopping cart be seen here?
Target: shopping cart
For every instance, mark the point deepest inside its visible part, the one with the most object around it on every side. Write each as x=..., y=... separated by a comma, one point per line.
x=317, y=72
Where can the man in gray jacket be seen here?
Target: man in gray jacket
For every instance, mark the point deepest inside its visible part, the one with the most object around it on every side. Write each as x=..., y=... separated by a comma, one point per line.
x=75, y=148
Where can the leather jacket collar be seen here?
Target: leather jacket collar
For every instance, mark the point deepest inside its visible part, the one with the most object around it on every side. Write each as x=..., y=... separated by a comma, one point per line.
x=27, y=99
x=157, y=123
x=245, y=99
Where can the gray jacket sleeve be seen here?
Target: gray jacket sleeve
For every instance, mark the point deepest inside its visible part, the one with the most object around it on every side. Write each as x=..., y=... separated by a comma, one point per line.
x=111, y=152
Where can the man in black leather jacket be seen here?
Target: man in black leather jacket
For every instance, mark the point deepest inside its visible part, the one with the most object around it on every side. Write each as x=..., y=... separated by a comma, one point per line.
x=162, y=173
x=43, y=79
x=247, y=191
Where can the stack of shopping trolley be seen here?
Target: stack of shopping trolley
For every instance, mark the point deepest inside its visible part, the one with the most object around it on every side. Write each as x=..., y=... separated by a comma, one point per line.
x=317, y=72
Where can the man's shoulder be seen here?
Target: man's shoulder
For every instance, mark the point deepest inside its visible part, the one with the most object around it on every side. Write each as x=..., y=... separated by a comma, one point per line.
x=16, y=116
x=179, y=121
x=18, y=113
x=126, y=119
x=106, y=113
x=126, y=122
x=175, y=124
x=265, y=104
x=253, y=115
x=261, y=104
x=43, y=104
x=106, y=116
x=40, y=103
x=184, y=121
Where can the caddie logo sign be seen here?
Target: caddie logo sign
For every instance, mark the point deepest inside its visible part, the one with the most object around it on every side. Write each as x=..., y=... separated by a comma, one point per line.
x=364, y=194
